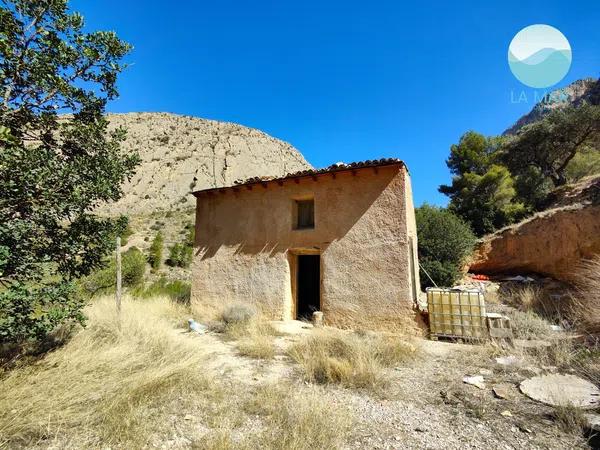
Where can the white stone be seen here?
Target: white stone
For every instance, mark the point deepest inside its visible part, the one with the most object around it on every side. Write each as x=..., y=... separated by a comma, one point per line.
x=557, y=390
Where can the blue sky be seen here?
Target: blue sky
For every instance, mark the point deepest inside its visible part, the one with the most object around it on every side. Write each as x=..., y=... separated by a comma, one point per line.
x=341, y=80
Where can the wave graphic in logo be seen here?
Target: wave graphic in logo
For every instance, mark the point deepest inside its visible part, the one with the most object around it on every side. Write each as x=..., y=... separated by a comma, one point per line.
x=539, y=56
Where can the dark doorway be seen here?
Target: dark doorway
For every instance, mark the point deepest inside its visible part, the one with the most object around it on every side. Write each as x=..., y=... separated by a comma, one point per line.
x=308, y=286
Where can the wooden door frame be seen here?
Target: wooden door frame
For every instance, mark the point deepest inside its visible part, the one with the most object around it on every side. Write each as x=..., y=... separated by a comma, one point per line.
x=293, y=263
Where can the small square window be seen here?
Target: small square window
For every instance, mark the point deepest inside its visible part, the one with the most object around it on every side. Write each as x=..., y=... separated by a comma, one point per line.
x=305, y=214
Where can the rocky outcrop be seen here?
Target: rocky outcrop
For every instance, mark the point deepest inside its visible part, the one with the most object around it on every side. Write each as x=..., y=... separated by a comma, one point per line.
x=181, y=153
x=586, y=90
x=552, y=242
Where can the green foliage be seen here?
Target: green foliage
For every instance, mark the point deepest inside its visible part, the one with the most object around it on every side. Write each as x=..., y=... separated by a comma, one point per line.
x=31, y=312
x=445, y=241
x=473, y=154
x=176, y=290
x=133, y=267
x=553, y=142
x=155, y=251
x=54, y=170
x=583, y=164
x=181, y=255
x=482, y=191
x=499, y=180
x=174, y=259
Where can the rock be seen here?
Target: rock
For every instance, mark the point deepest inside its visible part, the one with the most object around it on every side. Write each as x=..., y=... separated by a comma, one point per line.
x=593, y=421
x=501, y=391
x=524, y=428
x=486, y=372
x=182, y=153
x=188, y=417
x=506, y=413
x=557, y=389
x=476, y=380
x=573, y=94
x=551, y=243
x=508, y=360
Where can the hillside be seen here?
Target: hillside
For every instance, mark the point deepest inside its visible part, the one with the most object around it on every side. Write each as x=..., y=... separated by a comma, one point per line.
x=183, y=153
x=180, y=154
x=577, y=92
x=552, y=242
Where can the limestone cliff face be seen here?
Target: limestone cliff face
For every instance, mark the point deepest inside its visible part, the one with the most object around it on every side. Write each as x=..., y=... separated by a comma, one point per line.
x=587, y=90
x=181, y=153
x=550, y=243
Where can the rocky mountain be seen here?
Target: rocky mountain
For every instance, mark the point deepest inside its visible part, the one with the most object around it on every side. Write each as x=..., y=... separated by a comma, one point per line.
x=577, y=92
x=181, y=154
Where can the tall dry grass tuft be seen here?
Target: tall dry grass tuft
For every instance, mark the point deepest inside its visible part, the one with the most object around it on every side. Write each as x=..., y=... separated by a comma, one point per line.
x=295, y=418
x=351, y=359
x=585, y=304
x=110, y=384
x=254, y=336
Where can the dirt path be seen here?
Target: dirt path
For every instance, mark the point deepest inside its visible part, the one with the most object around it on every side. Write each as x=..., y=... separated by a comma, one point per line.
x=426, y=405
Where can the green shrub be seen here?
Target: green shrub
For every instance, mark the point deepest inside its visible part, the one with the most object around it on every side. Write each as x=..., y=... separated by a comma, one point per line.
x=32, y=312
x=174, y=259
x=176, y=290
x=445, y=241
x=155, y=251
x=180, y=255
x=133, y=267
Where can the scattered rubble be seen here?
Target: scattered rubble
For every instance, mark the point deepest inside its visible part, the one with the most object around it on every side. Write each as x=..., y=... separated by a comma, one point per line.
x=509, y=360
x=501, y=391
x=476, y=380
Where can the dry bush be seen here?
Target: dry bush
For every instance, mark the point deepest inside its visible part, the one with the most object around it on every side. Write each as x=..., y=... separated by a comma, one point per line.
x=524, y=297
x=539, y=299
x=528, y=325
x=254, y=335
x=235, y=314
x=585, y=304
x=351, y=359
x=570, y=419
x=110, y=384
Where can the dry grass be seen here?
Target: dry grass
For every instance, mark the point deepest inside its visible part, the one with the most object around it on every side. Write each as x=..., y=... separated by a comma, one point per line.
x=111, y=383
x=133, y=383
x=570, y=419
x=524, y=297
x=298, y=421
x=254, y=336
x=585, y=304
x=351, y=359
x=528, y=325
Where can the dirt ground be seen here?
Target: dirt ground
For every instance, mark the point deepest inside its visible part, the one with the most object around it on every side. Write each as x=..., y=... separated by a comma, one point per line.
x=426, y=405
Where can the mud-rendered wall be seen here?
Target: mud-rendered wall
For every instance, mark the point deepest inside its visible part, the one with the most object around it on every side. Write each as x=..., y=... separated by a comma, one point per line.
x=245, y=246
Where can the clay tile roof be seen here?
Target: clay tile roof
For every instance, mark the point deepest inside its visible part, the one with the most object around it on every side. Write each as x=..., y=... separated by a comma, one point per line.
x=337, y=167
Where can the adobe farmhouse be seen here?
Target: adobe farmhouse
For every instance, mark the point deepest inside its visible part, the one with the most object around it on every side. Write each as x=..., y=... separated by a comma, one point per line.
x=340, y=240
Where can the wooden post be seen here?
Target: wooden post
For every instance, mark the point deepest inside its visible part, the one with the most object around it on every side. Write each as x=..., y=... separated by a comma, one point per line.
x=118, y=291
